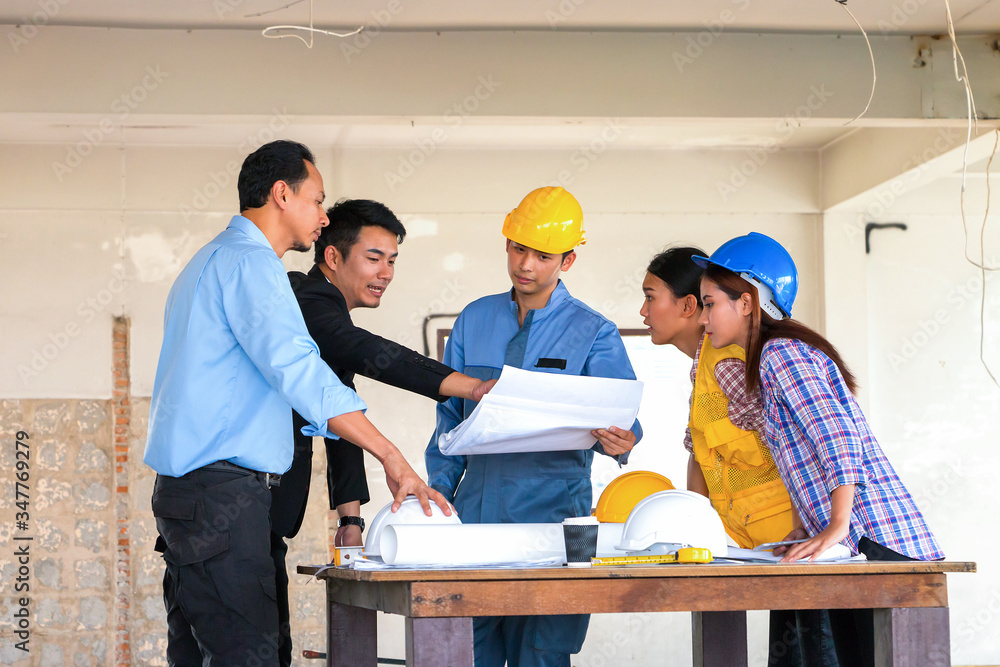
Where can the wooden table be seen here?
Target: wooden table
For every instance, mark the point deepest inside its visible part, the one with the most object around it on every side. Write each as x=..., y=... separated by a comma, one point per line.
x=910, y=599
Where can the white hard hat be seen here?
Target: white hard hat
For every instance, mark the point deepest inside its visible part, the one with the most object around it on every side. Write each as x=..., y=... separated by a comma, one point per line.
x=410, y=513
x=666, y=521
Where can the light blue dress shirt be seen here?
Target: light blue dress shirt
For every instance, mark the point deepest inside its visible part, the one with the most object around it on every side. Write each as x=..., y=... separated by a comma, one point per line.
x=236, y=358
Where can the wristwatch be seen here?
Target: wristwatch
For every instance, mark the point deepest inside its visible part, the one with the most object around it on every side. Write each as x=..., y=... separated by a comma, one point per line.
x=351, y=521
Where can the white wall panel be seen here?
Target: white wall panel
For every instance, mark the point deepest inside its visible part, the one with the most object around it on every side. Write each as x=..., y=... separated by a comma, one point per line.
x=63, y=283
x=934, y=408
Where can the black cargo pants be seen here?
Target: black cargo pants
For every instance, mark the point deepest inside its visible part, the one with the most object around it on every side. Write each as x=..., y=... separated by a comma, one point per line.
x=218, y=588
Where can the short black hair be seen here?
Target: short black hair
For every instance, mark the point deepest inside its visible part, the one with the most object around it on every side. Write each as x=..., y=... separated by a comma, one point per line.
x=347, y=217
x=277, y=161
x=675, y=267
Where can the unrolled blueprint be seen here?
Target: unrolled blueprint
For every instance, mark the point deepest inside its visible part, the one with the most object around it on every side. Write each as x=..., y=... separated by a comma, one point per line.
x=528, y=411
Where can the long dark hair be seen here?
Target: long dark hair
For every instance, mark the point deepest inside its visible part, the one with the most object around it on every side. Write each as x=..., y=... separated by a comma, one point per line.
x=674, y=267
x=763, y=328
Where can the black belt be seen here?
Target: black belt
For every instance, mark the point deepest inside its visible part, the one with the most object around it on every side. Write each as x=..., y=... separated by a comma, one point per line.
x=269, y=478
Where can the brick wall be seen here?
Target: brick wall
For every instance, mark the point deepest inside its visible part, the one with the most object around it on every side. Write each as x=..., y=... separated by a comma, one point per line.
x=122, y=411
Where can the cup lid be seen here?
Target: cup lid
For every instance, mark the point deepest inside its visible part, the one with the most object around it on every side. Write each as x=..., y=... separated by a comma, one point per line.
x=581, y=521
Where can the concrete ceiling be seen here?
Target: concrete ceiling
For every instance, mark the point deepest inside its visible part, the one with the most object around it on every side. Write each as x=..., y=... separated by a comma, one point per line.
x=508, y=133
x=881, y=18
x=905, y=17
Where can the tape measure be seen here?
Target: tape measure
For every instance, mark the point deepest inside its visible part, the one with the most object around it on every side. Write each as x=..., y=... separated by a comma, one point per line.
x=685, y=555
x=346, y=555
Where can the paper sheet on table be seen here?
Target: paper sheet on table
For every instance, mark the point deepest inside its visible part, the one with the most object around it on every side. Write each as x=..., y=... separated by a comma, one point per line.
x=528, y=411
x=377, y=564
x=838, y=553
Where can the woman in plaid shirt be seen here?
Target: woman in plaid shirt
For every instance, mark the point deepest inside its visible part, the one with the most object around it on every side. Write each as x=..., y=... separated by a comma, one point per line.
x=733, y=467
x=842, y=485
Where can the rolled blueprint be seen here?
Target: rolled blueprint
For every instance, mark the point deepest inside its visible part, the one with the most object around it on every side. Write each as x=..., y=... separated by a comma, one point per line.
x=484, y=543
x=609, y=536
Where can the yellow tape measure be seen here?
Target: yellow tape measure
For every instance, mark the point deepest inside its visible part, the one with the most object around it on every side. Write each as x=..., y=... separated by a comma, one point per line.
x=685, y=555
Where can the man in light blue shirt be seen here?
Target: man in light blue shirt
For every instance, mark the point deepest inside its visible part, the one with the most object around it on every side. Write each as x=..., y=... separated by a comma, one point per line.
x=236, y=355
x=536, y=326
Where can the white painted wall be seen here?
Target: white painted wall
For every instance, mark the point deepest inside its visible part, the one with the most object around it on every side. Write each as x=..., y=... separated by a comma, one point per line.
x=908, y=315
x=115, y=231
x=933, y=405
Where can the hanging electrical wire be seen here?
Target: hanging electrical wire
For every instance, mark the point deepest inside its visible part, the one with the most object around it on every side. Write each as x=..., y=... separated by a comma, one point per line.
x=972, y=121
x=982, y=264
x=267, y=32
x=871, y=54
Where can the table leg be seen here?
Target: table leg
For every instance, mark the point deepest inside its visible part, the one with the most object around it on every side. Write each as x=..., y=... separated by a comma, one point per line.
x=433, y=642
x=351, y=635
x=719, y=638
x=912, y=636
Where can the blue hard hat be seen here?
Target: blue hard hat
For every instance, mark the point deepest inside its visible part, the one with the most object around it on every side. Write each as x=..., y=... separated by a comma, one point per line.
x=764, y=263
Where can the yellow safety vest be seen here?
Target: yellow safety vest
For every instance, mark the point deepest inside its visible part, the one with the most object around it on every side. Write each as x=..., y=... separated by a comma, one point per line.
x=743, y=483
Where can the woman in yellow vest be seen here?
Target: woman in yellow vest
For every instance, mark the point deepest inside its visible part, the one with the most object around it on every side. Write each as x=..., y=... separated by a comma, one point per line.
x=730, y=462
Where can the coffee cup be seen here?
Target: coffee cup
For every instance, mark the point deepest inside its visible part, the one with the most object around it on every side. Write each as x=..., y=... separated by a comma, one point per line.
x=580, y=534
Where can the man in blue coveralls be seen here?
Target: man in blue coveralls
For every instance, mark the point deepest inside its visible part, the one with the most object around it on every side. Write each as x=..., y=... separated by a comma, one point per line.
x=536, y=326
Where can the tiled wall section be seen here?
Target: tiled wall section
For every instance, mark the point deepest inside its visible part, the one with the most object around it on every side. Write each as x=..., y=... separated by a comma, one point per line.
x=148, y=620
x=71, y=520
x=73, y=596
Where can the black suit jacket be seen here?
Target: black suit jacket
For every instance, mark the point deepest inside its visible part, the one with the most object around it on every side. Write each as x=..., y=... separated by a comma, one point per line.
x=348, y=350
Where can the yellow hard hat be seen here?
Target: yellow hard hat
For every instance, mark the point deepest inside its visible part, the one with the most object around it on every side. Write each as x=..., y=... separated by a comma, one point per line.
x=547, y=220
x=625, y=491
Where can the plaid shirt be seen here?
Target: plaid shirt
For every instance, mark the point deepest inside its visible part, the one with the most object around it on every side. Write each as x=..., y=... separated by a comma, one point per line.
x=820, y=440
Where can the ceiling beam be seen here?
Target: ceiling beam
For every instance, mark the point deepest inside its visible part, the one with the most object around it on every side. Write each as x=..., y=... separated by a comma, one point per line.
x=871, y=168
x=789, y=78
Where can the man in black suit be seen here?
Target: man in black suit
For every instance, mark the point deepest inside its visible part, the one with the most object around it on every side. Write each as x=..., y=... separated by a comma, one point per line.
x=355, y=262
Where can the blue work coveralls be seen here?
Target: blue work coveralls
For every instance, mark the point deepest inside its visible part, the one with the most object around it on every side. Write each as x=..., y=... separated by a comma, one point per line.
x=566, y=336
